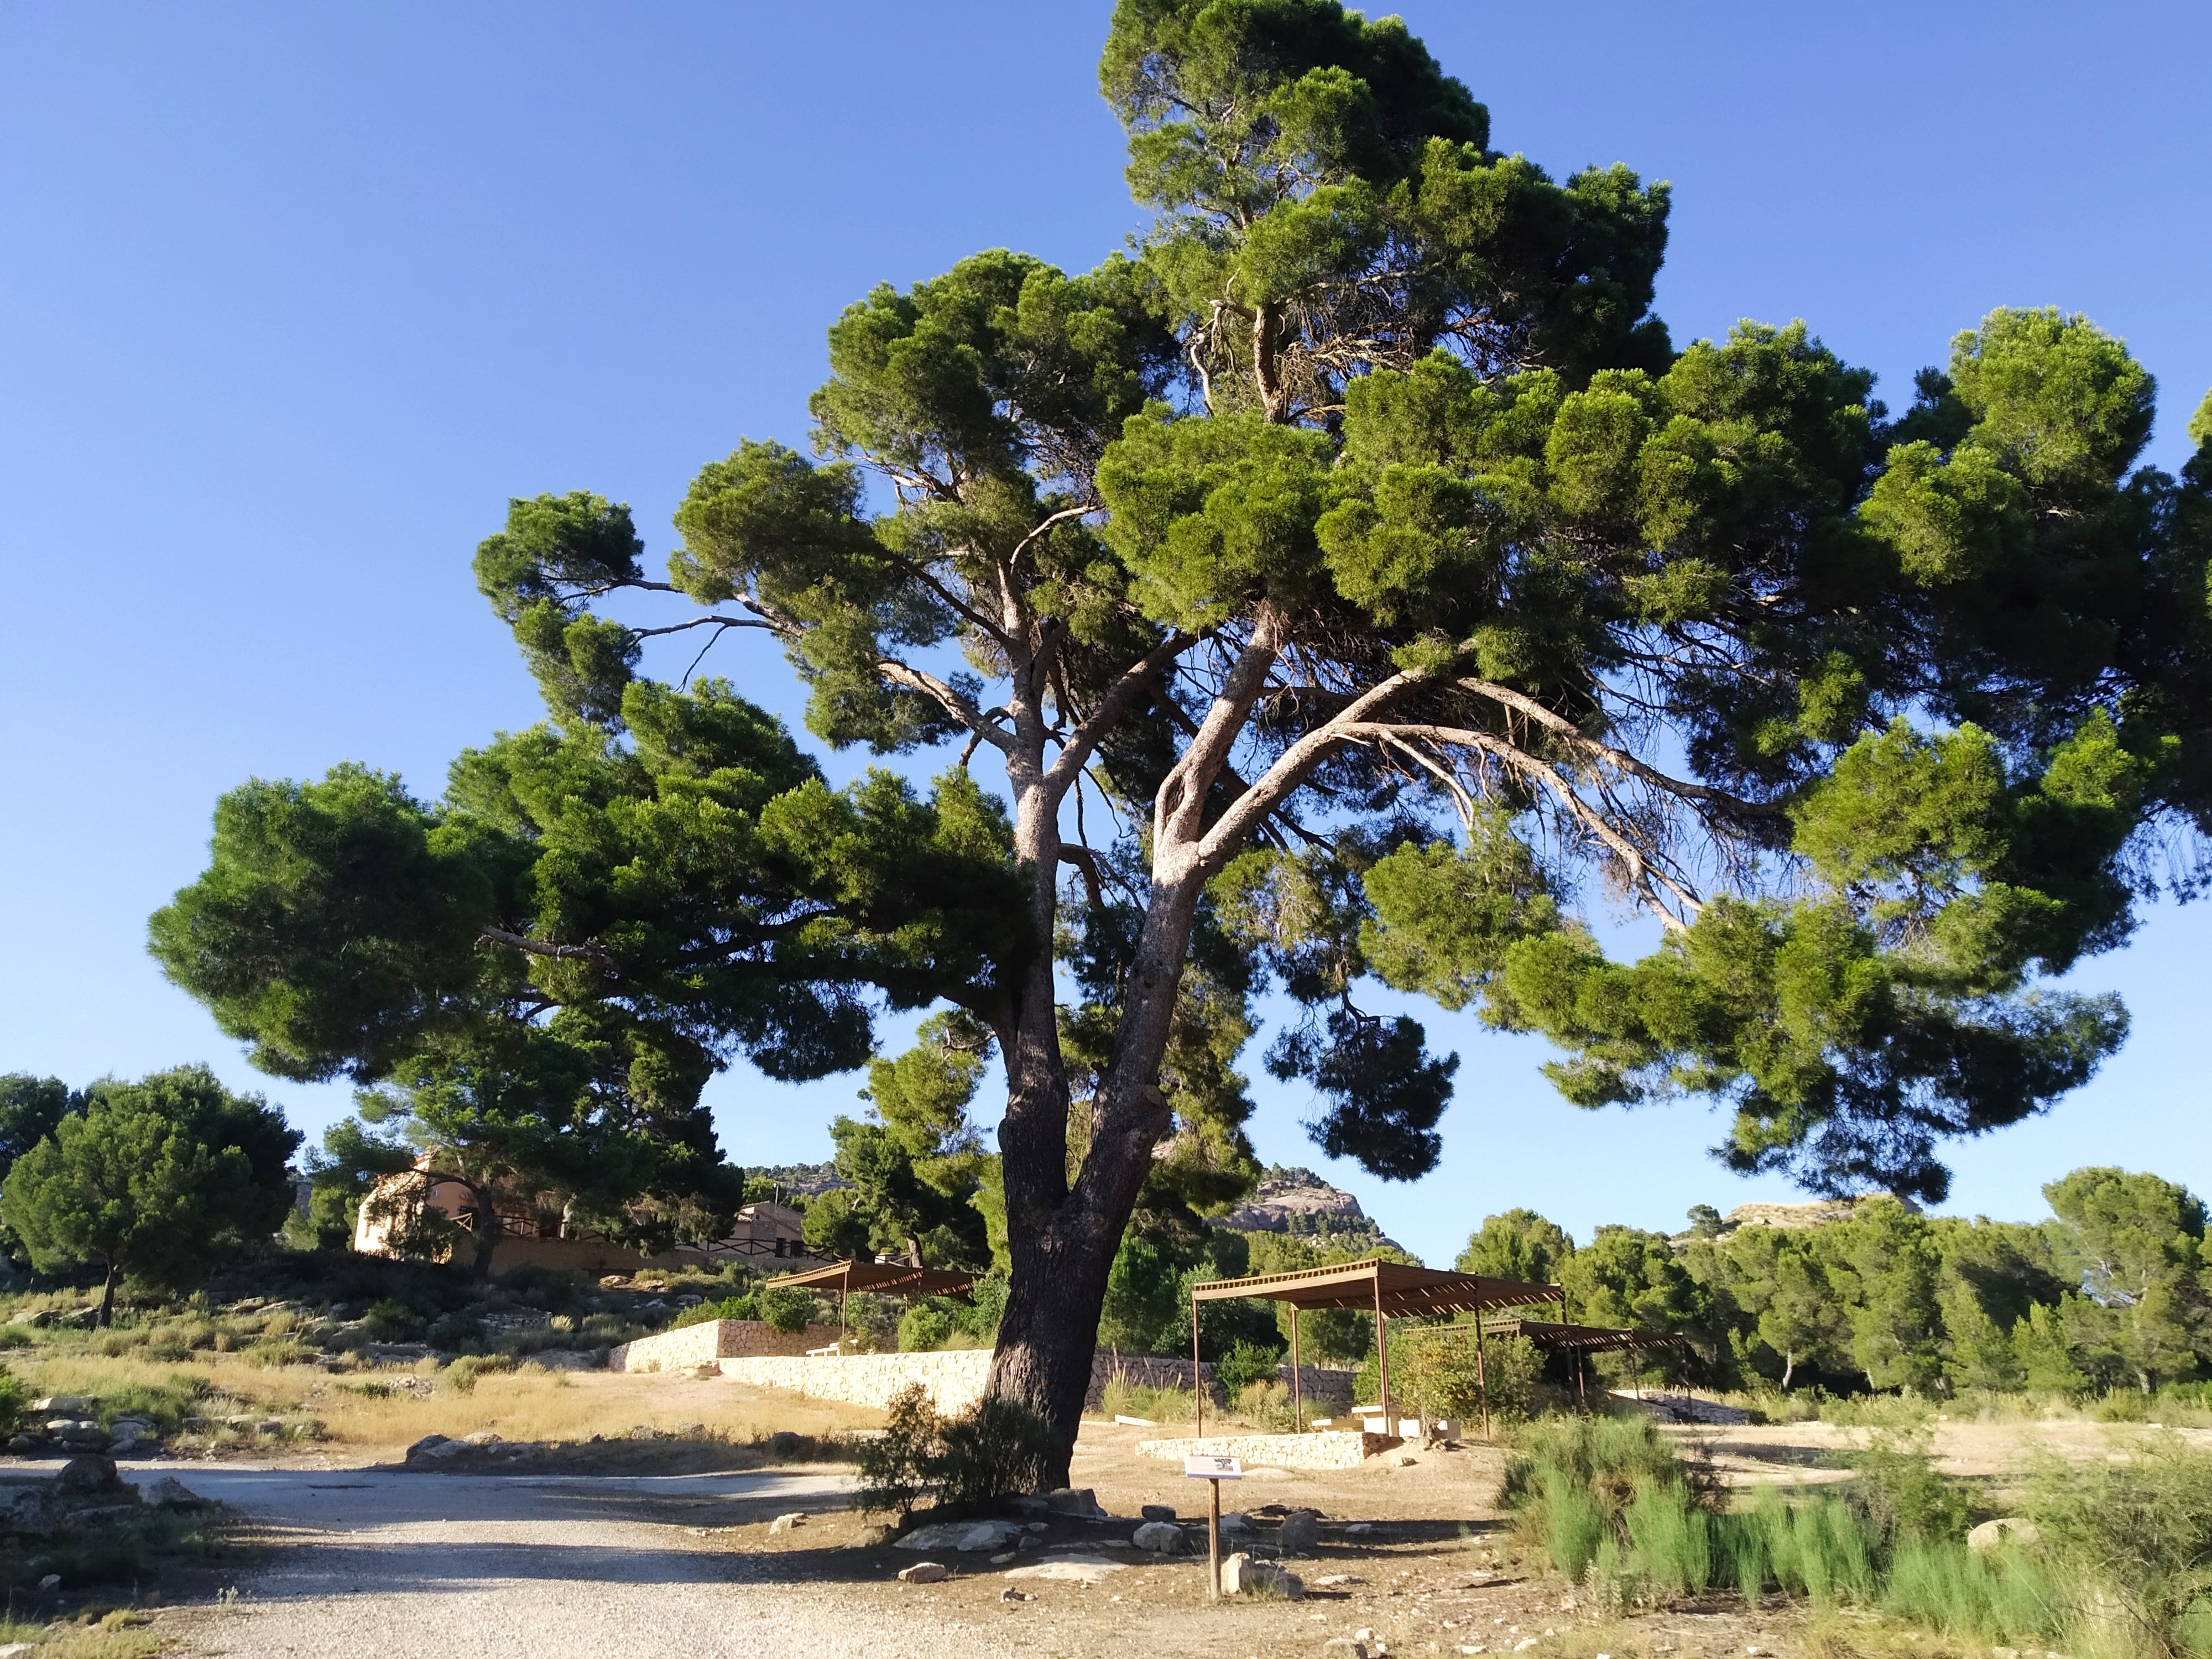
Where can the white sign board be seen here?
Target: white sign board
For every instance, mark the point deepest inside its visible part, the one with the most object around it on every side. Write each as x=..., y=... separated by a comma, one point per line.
x=1214, y=1469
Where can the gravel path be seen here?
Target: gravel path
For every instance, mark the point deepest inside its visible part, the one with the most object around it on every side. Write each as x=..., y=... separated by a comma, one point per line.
x=408, y=1565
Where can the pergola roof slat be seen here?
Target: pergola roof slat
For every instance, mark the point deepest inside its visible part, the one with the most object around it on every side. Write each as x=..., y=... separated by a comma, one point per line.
x=1397, y=1288
x=887, y=1278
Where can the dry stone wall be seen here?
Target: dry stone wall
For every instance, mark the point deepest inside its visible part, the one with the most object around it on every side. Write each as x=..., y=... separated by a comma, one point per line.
x=750, y=1352
x=714, y=1339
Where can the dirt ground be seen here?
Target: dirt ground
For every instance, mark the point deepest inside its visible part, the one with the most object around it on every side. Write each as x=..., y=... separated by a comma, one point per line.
x=1414, y=1556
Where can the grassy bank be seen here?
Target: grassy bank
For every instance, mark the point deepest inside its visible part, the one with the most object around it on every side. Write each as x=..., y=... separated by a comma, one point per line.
x=2115, y=1562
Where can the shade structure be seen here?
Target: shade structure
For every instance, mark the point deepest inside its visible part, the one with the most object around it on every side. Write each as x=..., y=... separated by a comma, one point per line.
x=887, y=1278
x=1393, y=1286
x=1383, y=1288
x=1579, y=1339
x=882, y=1278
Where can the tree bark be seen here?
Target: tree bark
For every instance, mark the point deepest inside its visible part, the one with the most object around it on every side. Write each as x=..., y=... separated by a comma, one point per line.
x=107, y=1296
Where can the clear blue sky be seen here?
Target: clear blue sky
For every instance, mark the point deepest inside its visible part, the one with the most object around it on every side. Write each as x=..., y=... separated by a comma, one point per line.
x=292, y=298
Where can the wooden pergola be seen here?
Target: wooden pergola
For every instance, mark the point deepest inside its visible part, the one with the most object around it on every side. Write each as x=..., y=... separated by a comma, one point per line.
x=884, y=1278
x=1388, y=1288
x=1559, y=1337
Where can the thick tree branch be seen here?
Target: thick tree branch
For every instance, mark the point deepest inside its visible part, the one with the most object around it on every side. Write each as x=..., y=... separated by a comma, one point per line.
x=1292, y=768
x=1134, y=682
x=1182, y=793
x=962, y=709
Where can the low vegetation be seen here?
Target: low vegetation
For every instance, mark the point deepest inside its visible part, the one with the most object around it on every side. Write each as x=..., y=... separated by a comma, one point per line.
x=2115, y=1560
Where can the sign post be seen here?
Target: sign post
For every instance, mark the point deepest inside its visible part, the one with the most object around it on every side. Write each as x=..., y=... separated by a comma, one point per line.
x=1213, y=1471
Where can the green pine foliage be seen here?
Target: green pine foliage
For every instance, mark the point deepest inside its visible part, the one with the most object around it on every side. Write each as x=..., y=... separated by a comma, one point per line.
x=2114, y=1291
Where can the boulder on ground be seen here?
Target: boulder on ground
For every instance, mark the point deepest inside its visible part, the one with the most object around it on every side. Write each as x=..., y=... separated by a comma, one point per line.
x=924, y=1572
x=975, y=1537
x=1078, y=1501
x=1235, y=1521
x=1242, y=1576
x=171, y=1494
x=88, y=1471
x=2008, y=1528
x=1157, y=1512
x=786, y=1522
x=1300, y=1533
x=64, y=1405
x=1164, y=1537
x=783, y=1443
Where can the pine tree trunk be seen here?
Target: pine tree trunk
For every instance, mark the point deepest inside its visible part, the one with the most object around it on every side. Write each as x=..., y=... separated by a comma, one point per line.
x=1062, y=1237
x=107, y=1296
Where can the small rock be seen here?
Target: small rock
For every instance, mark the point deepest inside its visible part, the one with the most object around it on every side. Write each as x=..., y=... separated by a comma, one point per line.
x=1080, y=1501
x=481, y=1438
x=786, y=1522
x=52, y=1581
x=1164, y=1537
x=1331, y=1580
x=1156, y=1512
x=2009, y=1528
x=1235, y=1521
x=1005, y=1556
x=1346, y=1647
x=924, y=1572
x=1013, y=1596
x=1038, y=1526
x=1407, y=1462
x=64, y=1405
x=1029, y=1504
x=427, y=1446
x=1242, y=1576
x=90, y=1472
x=783, y=1443
x=1360, y=1529
x=169, y=1493
x=876, y=1537
x=1300, y=1533
x=14, y=1650
x=23, y=1443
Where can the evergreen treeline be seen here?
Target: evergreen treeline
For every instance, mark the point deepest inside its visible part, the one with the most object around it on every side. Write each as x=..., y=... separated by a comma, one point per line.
x=2115, y=1291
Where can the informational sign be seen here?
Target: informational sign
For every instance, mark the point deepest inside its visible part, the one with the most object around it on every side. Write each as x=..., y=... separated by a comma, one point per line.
x=1214, y=1469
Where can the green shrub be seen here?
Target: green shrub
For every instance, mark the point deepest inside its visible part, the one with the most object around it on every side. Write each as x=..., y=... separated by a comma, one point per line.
x=978, y=1317
x=1244, y=1365
x=1267, y=1406
x=786, y=1311
x=730, y=1306
x=1443, y=1375
x=2135, y=1540
x=924, y=1328
x=1903, y=1496
x=983, y=1454
x=283, y=1351
x=14, y=1401
x=460, y=1332
x=390, y=1320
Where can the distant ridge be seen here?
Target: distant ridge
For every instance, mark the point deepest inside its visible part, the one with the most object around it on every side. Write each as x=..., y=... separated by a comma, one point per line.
x=1290, y=1200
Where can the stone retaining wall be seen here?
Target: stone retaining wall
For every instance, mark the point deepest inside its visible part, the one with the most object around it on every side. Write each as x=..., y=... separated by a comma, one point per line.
x=714, y=1339
x=1326, y=1449
x=750, y=1353
x=954, y=1377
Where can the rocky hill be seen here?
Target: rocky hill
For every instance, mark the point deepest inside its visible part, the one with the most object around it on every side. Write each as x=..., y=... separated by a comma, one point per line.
x=1295, y=1200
